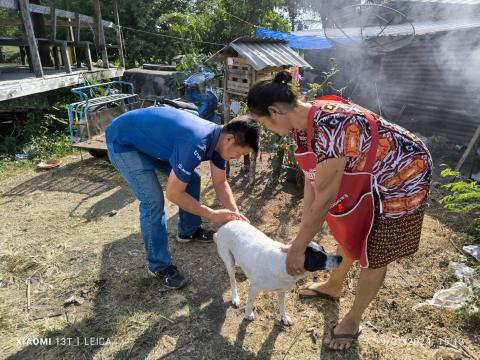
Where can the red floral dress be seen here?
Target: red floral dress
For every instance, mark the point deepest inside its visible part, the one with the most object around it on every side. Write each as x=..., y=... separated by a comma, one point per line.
x=403, y=165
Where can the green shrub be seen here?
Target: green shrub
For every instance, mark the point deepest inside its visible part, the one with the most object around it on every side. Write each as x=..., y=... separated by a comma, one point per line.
x=327, y=86
x=42, y=136
x=50, y=146
x=463, y=197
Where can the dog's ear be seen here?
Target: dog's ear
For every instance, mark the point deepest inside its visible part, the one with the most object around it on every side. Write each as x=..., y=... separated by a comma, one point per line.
x=315, y=246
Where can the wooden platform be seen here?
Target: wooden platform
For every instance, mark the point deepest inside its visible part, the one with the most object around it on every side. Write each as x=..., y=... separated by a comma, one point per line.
x=96, y=143
x=19, y=81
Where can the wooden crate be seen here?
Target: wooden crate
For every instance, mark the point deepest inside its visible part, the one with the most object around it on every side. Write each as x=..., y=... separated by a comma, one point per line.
x=266, y=74
x=270, y=72
x=239, y=79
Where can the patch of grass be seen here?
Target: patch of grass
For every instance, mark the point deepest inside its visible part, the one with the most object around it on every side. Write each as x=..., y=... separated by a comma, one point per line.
x=472, y=320
x=26, y=266
x=7, y=165
x=84, y=279
x=471, y=310
x=4, y=318
x=21, y=265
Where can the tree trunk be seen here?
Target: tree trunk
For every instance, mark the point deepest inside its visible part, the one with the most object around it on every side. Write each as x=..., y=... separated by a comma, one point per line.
x=292, y=13
x=293, y=17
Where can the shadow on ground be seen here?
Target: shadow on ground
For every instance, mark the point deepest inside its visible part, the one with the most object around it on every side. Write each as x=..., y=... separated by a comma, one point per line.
x=91, y=177
x=131, y=309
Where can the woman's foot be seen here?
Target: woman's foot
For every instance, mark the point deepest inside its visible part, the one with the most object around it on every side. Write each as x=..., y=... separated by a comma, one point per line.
x=323, y=290
x=342, y=336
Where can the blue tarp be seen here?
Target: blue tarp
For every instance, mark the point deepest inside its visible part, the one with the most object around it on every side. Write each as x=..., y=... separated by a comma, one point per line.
x=294, y=41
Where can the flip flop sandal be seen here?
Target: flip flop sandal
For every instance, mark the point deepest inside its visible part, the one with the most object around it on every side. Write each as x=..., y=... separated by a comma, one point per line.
x=317, y=294
x=348, y=337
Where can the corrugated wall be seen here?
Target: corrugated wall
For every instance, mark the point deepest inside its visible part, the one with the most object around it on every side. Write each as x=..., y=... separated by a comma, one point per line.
x=435, y=80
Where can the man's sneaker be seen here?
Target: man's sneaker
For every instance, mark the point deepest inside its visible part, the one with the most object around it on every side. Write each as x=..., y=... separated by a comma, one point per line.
x=200, y=235
x=170, y=278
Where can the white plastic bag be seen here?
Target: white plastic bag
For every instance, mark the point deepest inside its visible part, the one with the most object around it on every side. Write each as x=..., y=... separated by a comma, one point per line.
x=473, y=250
x=453, y=298
x=464, y=273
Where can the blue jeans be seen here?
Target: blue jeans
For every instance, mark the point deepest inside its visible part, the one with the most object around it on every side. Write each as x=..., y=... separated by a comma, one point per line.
x=138, y=170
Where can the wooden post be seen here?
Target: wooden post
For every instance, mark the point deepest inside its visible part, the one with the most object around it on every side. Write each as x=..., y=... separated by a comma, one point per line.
x=77, y=39
x=88, y=56
x=53, y=25
x=22, y=55
x=29, y=60
x=23, y=7
x=226, y=96
x=99, y=34
x=69, y=30
x=226, y=106
x=252, y=162
x=77, y=27
x=56, y=61
x=470, y=148
x=65, y=58
x=39, y=28
x=119, y=34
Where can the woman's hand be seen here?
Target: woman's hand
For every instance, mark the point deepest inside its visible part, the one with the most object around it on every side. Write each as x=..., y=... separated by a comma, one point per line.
x=295, y=260
x=318, y=198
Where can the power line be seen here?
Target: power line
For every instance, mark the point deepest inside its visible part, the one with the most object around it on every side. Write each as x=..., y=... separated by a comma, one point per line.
x=236, y=17
x=170, y=36
x=183, y=39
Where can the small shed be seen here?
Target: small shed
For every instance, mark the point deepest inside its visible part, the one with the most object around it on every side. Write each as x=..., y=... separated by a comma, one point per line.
x=248, y=60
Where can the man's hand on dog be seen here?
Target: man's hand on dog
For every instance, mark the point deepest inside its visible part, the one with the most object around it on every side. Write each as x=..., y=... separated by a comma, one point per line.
x=295, y=259
x=223, y=216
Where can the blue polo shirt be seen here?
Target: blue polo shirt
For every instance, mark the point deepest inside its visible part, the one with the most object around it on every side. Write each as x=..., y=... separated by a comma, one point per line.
x=179, y=137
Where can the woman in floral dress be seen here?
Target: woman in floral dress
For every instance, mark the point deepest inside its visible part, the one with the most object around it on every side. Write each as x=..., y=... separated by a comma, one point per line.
x=367, y=178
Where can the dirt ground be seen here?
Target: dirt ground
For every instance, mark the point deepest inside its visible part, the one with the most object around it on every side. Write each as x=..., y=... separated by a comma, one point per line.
x=75, y=231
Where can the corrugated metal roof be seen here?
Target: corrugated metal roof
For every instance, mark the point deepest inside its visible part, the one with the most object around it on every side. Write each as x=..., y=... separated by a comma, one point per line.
x=421, y=28
x=455, y=2
x=262, y=53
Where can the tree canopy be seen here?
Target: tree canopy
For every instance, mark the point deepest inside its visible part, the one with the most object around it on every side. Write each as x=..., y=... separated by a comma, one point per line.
x=157, y=31
x=173, y=27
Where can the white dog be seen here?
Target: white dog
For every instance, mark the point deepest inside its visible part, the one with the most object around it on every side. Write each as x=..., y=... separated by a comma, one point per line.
x=262, y=260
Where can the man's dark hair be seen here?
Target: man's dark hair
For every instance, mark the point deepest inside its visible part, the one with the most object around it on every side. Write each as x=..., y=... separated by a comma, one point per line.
x=245, y=131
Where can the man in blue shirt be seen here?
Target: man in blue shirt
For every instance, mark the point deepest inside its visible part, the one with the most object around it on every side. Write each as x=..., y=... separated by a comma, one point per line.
x=175, y=142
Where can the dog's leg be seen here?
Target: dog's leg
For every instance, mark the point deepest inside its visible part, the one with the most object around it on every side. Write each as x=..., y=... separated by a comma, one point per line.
x=229, y=261
x=252, y=294
x=286, y=320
